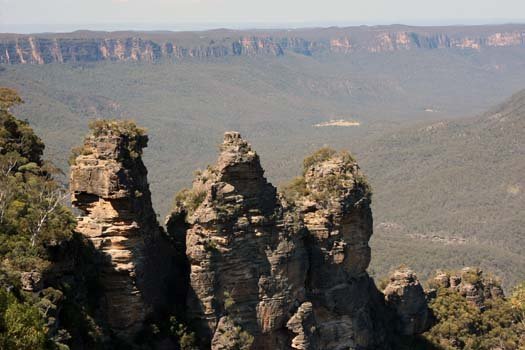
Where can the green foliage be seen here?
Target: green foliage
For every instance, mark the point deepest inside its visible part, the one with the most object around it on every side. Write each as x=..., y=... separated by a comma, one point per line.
x=462, y=325
x=185, y=338
x=517, y=301
x=125, y=128
x=16, y=136
x=330, y=185
x=77, y=151
x=34, y=224
x=21, y=325
x=9, y=98
x=190, y=199
x=471, y=276
x=295, y=189
x=228, y=301
x=134, y=137
x=319, y=156
x=362, y=181
x=160, y=329
x=242, y=339
x=458, y=322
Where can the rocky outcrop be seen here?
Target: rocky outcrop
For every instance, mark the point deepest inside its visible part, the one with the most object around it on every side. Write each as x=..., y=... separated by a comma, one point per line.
x=470, y=283
x=110, y=191
x=247, y=259
x=336, y=211
x=406, y=296
x=150, y=47
x=274, y=273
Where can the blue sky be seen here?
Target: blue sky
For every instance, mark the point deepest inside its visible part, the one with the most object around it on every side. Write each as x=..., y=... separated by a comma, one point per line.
x=56, y=15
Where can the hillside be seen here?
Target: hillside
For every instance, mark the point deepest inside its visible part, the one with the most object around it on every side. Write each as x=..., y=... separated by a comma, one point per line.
x=452, y=193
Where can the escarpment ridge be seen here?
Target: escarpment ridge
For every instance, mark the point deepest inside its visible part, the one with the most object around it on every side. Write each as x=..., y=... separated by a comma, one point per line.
x=87, y=46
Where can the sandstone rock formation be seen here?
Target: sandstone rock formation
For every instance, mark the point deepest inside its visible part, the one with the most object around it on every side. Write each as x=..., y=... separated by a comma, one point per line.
x=248, y=263
x=260, y=270
x=405, y=294
x=149, y=47
x=110, y=190
x=276, y=273
x=471, y=284
x=336, y=211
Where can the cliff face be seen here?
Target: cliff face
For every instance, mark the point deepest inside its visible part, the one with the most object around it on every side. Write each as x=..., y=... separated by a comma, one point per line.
x=260, y=270
x=247, y=257
x=110, y=190
x=337, y=214
x=150, y=47
x=280, y=275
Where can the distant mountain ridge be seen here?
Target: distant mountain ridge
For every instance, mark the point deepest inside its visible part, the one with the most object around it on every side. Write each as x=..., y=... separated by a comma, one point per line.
x=89, y=46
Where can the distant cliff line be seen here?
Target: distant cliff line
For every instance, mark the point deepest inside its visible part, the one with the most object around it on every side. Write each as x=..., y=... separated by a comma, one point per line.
x=87, y=46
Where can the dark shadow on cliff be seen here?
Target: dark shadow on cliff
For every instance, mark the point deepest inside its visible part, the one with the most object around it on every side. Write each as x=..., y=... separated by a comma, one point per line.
x=81, y=309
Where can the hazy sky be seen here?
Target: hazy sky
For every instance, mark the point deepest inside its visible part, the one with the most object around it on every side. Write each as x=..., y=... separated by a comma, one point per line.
x=38, y=15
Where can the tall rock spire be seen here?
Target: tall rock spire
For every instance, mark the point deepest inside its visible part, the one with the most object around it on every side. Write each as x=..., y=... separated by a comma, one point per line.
x=270, y=272
x=247, y=259
x=109, y=188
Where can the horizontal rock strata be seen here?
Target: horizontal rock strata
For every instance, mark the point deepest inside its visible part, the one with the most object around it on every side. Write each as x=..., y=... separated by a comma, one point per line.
x=276, y=274
x=149, y=47
x=109, y=188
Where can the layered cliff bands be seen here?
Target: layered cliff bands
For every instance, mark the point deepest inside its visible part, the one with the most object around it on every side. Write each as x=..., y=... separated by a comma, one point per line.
x=279, y=274
x=110, y=190
x=151, y=46
x=245, y=266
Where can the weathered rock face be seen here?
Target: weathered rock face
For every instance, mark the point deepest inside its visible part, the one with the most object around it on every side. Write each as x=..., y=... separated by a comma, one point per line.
x=405, y=294
x=109, y=188
x=471, y=284
x=247, y=259
x=337, y=214
x=274, y=274
x=150, y=47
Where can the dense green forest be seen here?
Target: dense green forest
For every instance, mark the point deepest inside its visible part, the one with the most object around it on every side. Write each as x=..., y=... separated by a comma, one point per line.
x=451, y=193
x=46, y=282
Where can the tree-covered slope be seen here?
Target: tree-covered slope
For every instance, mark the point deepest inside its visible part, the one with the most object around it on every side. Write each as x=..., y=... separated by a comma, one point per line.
x=452, y=192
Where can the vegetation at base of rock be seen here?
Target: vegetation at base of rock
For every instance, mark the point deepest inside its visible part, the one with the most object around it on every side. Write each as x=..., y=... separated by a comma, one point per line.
x=462, y=325
x=169, y=327
x=36, y=232
x=21, y=324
